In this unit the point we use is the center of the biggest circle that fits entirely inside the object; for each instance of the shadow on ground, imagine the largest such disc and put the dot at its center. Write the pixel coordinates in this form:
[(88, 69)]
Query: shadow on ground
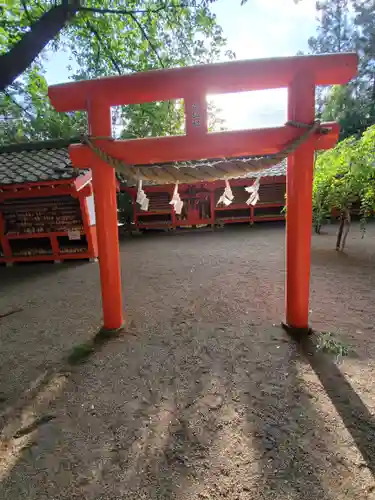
[(31, 271), (357, 418), (198, 412), (202, 399), (44, 311)]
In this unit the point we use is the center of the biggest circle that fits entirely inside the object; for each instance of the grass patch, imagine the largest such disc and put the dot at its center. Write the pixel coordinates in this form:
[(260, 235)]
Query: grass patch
[(326, 342)]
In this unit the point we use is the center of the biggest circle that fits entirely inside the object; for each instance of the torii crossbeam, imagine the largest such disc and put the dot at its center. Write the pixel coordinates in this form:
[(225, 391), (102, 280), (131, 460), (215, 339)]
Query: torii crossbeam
[(299, 74)]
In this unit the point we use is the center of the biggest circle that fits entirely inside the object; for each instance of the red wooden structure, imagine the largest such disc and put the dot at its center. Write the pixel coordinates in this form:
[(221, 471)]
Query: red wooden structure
[(44, 220), (200, 203), (299, 74)]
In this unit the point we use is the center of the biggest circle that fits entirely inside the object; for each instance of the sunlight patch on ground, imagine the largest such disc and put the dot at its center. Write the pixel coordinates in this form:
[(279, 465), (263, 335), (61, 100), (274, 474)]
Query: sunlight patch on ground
[(19, 433)]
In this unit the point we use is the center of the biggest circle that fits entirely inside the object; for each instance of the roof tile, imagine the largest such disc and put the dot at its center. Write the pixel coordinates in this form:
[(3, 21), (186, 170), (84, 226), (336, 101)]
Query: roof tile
[(19, 165), (49, 162)]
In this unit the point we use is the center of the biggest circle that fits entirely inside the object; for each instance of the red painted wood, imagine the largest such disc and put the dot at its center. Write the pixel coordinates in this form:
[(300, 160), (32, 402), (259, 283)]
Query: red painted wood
[(196, 115), (268, 218), (46, 258), (36, 193), (27, 236), (210, 186), (4, 242), (90, 234), (251, 214), (178, 83), (299, 74), (212, 207), (83, 181), (47, 189), (135, 207), (35, 185), (216, 211), (183, 148), (54, 245), (104, 184), (232, 221), (301, 107)]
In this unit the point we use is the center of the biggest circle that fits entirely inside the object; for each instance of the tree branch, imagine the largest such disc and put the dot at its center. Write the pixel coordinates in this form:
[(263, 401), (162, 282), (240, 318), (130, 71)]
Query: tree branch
[(177, 35), (24, 5), (103, 46), (98, 55), (42, 31), (130, 12), (18, 104), (146, 37), (98, 37)]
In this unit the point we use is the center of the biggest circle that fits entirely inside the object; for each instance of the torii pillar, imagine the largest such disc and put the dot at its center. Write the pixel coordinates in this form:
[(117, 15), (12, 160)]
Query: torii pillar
[(105, 197), (299, 181), (299, 74)]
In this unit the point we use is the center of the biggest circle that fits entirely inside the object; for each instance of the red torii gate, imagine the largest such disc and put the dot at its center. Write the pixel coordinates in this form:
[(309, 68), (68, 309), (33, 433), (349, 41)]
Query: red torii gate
[(299, 74)]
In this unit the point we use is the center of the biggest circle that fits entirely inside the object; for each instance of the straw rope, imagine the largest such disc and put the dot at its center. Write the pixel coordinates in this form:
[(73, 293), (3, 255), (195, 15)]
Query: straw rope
[(185, 172)]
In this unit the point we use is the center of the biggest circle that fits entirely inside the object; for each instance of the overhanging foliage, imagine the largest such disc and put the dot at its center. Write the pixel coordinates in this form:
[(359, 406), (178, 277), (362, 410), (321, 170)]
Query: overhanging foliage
[(106, 37), (343, 176)]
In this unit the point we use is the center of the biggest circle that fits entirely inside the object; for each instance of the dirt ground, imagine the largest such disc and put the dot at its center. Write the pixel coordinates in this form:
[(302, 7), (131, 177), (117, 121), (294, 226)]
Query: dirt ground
[(204, 396)]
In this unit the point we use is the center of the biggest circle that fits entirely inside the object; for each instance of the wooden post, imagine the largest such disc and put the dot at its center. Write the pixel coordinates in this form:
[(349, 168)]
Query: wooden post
[(7, 251), (212, 206), (301, 108), (104, 184), (135, 210), (252, 215), (91, 243)]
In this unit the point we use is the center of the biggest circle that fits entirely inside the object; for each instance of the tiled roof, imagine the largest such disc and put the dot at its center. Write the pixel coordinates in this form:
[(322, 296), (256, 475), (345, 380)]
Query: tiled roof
[(49, 160), (36, 162), (276, 171)]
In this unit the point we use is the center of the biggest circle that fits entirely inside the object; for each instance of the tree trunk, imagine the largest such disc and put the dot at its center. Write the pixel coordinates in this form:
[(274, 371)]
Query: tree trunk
[(339, 234), (23, 53), (347, 220)]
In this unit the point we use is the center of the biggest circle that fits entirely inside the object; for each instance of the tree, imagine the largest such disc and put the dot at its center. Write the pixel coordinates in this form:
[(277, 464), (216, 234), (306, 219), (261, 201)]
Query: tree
[(343, 176), (335, 28), (105, 39), (347, 25), (365, 43), (342, 105), (27, 27), (26, 41), (33, 118)]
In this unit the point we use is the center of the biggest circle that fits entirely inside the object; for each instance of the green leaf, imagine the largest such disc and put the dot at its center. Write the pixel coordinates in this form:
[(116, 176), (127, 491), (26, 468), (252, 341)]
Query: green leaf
[(109, 44)]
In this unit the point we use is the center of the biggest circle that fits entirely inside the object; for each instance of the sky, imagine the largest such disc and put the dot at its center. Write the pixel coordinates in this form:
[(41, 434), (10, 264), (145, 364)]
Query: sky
[(260, 28)]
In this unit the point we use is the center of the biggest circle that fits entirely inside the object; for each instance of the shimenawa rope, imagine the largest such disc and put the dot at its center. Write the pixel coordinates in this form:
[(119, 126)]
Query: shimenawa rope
[(203, 171)]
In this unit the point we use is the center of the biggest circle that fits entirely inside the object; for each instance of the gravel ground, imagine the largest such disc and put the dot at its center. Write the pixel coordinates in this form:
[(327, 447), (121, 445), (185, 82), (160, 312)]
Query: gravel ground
[(203, 397)]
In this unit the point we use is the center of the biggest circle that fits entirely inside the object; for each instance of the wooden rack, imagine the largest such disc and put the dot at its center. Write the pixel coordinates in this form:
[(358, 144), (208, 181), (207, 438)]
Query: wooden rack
[(200, 204), (52, 222)]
